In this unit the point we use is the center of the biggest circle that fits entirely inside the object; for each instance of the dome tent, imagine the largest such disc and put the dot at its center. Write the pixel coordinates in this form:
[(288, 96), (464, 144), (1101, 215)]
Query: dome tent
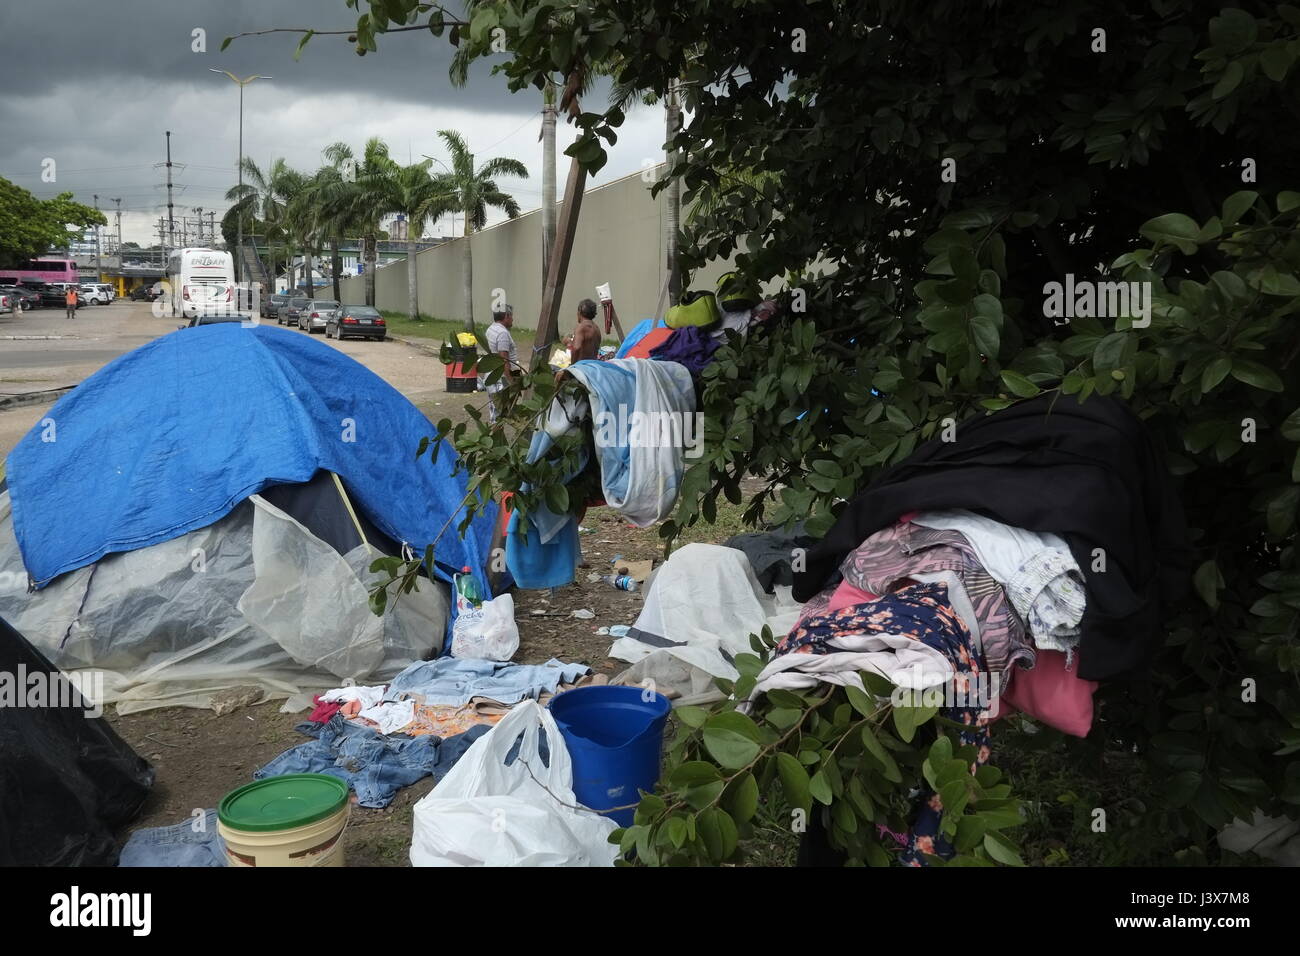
[(202, 512)]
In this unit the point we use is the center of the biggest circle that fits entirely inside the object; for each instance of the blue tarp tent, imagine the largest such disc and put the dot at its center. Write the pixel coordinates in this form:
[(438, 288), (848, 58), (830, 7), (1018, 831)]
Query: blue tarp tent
[(172, 436)]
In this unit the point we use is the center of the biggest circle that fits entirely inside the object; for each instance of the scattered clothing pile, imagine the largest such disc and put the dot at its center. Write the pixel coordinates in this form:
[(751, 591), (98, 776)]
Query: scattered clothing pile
[(380, 739), (1013, 569), (1087, 474)]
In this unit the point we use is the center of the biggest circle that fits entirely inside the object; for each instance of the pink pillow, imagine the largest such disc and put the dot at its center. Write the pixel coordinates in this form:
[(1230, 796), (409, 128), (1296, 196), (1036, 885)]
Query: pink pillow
[(847, 595), (1050, 692)]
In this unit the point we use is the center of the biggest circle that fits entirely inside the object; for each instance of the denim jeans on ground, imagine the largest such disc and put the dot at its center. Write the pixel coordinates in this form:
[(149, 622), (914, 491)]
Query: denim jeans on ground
[(178, 845), (374, 765)]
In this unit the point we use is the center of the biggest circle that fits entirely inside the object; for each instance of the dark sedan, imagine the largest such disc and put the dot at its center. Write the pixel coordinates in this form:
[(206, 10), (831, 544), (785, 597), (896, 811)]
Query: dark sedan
[(271, 305), (360, 321), (27, 298), (54, 295), (288, 313)]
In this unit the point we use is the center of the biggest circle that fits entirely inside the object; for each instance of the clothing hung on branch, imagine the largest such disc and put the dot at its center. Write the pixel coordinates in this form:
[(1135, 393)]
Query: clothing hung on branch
[(1088, 473), (642, 411)]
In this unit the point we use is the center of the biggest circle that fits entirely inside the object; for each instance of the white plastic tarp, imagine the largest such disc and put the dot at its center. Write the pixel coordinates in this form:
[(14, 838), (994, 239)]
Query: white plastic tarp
[(253, 600), (706, 602)]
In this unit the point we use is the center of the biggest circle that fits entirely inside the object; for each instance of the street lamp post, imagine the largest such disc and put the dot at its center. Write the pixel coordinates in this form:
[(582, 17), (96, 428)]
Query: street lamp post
[(239, 220)]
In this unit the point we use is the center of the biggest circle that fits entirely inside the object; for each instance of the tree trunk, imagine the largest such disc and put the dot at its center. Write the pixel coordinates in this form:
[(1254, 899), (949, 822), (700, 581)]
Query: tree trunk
[(548, 178), (467, 277), (336, 266), (372, 254), (673, 200), (307, 262), (411, 278)]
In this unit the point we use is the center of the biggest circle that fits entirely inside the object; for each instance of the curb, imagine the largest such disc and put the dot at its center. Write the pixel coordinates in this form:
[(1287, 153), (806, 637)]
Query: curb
[(417, 345), (47, 397), (36, 338)]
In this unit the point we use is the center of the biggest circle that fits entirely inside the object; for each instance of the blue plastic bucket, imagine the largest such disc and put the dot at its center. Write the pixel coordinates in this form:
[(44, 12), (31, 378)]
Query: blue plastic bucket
[(615, 738)]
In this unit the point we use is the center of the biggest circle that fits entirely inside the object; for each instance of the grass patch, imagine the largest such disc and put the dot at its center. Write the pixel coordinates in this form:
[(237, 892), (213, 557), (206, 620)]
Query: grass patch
[(444, 330)]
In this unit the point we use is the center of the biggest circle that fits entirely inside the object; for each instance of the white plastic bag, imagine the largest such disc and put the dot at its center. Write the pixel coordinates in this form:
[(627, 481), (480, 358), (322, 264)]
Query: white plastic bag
[(485, 813), (487, 632)]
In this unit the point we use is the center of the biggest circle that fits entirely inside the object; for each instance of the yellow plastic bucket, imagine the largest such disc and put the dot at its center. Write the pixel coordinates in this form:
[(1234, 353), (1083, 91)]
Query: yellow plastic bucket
[(296, 819)]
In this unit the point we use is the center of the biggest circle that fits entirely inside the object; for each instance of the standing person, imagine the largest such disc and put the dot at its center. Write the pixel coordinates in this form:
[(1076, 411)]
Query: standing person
[(70, 301), (500, 342)]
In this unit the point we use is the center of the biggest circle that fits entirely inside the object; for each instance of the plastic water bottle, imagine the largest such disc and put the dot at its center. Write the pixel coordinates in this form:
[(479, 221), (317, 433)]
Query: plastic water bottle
[(624, 582), (467, 587)]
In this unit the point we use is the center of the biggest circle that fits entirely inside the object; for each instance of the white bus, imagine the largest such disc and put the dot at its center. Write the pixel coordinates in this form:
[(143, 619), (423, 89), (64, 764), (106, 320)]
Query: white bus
[(202, 282)]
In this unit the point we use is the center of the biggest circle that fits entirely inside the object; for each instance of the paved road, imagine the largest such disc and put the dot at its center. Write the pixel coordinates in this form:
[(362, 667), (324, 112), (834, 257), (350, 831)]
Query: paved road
[(104, 332), (44, 358)]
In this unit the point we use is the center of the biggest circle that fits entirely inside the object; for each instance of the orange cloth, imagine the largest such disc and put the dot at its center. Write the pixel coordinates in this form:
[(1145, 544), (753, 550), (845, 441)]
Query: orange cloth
[(447, 721)]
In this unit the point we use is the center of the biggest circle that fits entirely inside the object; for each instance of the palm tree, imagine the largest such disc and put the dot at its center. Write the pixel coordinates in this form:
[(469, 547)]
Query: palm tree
[(474, 191), (352, 197), (268, 196), (411, 191), (381, 187), (459, 74)]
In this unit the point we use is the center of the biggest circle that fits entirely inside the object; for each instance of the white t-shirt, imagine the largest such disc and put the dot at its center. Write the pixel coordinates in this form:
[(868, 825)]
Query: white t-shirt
[(499, 340)]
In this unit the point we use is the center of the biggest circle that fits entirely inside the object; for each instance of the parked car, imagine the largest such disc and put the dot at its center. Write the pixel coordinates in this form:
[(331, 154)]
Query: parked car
[(271, 304), (27, 298), (146, 293), (288, 314), (108, 289), (95, 294), (313, 316), (10, 304), (52, 294), (360, 321)]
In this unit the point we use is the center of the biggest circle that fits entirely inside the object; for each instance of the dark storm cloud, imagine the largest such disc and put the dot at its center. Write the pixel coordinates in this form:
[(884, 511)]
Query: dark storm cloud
[(94, 43), (91, 86)]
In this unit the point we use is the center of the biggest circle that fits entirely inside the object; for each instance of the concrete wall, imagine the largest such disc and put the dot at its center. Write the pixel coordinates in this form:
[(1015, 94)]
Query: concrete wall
[(620, 240)]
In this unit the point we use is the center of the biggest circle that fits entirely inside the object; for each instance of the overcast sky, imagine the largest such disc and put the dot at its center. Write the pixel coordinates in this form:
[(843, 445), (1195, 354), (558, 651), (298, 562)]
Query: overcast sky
[(93, 85)]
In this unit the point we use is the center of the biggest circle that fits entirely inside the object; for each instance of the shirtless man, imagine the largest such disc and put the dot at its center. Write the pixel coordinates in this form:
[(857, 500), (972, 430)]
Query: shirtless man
[(586, 337)]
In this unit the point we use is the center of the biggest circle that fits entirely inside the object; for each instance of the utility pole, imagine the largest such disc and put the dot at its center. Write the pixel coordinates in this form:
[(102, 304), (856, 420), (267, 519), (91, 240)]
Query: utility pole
[(118, 201), (199, 229), (239, 221), (212, 228), (98, 270), (171, 222)]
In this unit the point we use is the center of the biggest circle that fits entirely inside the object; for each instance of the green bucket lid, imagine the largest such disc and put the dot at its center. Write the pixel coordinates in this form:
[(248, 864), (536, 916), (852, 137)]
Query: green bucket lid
[(282, 803)]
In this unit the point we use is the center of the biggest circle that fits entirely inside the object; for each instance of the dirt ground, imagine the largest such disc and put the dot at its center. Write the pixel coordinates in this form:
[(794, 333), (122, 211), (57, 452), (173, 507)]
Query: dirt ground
[(199, 757)]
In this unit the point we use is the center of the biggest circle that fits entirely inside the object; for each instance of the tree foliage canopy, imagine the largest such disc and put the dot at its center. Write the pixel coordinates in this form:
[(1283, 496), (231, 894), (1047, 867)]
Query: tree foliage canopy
[(915, 176), (30, 227)]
